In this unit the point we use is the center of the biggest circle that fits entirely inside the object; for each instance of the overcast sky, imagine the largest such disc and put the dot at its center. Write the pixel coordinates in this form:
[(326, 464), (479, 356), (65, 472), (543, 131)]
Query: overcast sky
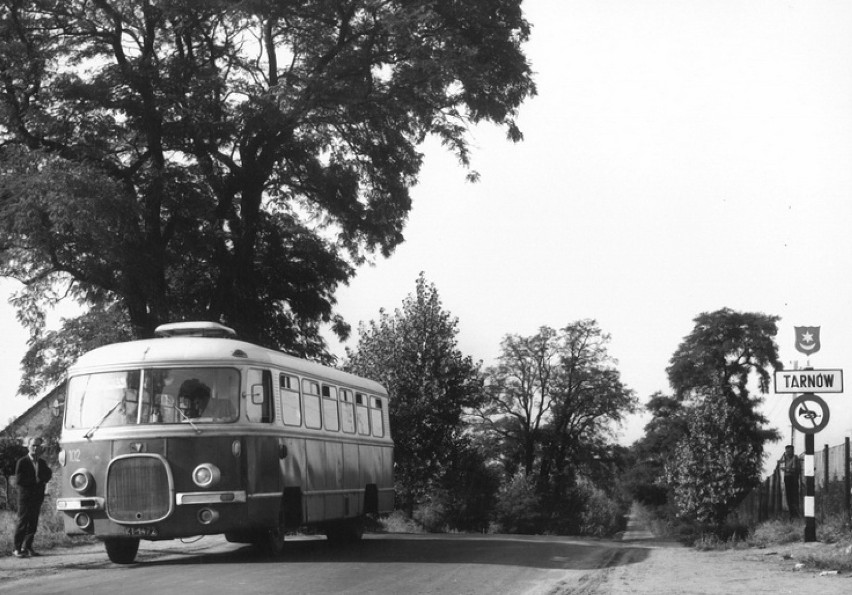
[(682, 156)]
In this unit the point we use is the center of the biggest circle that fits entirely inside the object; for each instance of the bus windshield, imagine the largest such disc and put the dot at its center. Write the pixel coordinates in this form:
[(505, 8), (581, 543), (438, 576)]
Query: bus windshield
[(167, 395)]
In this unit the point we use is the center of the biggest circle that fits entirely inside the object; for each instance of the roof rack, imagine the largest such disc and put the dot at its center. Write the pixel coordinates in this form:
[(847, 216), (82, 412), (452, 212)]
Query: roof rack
[(195, 329)]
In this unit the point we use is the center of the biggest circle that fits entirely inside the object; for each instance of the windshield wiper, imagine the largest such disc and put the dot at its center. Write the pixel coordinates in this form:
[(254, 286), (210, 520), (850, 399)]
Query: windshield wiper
[(95, 427), (186, 417)]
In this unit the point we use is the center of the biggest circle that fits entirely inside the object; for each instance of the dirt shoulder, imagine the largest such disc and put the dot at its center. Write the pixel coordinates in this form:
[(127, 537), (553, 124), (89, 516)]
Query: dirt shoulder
[(671, 568), (89, 555)]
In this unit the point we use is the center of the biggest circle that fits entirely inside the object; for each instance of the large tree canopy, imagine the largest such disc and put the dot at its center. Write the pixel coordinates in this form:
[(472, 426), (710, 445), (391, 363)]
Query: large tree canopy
[(232, 160)]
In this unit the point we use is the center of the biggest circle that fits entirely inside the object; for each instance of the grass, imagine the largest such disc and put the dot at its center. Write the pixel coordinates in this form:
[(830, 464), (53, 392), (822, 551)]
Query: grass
[(831, 551), (50, 534), (397, 522)]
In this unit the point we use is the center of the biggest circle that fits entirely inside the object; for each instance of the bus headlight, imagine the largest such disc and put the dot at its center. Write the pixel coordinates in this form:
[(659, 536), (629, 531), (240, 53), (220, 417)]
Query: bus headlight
[(206, 475), (81, 480)]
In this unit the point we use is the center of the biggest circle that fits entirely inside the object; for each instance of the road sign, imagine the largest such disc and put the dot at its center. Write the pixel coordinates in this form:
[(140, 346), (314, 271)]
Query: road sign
[(807, 339), (808, 413), (798, 381)]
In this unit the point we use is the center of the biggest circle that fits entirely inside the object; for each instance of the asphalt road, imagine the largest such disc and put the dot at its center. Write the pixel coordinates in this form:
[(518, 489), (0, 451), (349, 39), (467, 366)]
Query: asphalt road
[(393, 564)]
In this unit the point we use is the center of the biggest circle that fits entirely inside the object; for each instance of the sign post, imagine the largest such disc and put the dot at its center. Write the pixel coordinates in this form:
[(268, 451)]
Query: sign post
[(809, 413), (810, 517)]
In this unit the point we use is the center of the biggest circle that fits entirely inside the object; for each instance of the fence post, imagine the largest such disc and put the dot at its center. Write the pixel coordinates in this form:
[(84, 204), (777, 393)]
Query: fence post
[(777, 507), (823, 493), (847, 481)]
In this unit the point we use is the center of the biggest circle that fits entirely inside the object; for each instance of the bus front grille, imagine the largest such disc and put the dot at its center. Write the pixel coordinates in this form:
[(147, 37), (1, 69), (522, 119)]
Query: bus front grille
[(139, 489)]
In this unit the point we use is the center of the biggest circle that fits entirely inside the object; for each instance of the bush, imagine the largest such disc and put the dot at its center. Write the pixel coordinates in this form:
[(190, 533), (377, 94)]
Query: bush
[(518, 508), (432, 514), (601, 515), (777, 532), (397, 522)]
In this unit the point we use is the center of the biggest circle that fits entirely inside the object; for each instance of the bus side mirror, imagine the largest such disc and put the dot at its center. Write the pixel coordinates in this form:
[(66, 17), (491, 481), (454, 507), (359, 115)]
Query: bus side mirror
[(257, 394)]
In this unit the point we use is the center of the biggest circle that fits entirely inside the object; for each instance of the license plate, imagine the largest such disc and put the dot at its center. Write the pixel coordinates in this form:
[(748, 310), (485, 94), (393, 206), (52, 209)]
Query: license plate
[(141, 531)]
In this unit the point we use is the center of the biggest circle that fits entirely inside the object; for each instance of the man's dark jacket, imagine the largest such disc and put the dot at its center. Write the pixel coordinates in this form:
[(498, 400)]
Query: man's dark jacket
[(30, 487)]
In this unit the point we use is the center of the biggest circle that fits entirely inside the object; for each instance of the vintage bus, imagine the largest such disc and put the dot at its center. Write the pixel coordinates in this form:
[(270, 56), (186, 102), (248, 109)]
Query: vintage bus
[(197, 433)]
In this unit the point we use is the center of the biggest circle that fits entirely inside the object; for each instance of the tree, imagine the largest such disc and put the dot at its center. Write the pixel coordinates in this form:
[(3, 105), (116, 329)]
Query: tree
[(522, 394), (713, 467), (414, 354), (646, 477), (232, 161), (11, 450), (554, 398), (724, 350), (710, 373), (76, 336)]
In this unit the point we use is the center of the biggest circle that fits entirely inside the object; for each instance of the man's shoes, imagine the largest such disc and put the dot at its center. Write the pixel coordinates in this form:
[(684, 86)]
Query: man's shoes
[(32, 552), (21, 553)]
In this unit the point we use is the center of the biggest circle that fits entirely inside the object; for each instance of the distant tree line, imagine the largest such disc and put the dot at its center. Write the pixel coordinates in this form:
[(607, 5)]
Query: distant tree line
[(526, 445)]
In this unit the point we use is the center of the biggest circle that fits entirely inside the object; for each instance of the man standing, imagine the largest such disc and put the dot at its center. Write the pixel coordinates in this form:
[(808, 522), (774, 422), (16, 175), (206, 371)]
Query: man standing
[(791, 467), (31, 475)]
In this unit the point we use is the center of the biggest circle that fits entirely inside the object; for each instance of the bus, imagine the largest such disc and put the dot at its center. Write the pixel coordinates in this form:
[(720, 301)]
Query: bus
[(195, 432)]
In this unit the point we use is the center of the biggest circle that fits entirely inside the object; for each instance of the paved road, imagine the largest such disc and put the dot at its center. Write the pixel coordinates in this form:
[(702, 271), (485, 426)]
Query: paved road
[(398, 563)]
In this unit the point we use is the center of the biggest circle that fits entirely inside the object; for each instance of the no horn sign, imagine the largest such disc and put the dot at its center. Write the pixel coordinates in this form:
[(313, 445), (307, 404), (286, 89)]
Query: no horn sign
[(809, 381)]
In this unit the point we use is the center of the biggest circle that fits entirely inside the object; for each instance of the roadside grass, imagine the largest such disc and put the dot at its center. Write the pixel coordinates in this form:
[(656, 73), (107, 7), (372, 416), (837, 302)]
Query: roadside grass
[(397, 522), (50, 534), (831, 551)]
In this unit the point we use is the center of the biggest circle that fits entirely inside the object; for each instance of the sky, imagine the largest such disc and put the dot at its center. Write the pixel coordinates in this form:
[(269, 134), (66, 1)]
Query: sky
[(681, 156)]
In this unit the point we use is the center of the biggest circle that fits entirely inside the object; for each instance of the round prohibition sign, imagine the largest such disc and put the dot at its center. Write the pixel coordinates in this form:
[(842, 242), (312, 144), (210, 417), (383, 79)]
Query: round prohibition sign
[(809, 413)]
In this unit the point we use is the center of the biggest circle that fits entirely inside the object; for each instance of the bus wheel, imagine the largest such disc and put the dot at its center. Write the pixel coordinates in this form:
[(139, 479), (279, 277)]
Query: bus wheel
[(121, 550), (271, 542), (343, 532)]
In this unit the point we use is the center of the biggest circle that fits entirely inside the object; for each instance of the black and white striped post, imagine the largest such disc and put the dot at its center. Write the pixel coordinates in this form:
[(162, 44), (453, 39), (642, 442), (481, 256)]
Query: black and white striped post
[(810, 520), (809, 414)]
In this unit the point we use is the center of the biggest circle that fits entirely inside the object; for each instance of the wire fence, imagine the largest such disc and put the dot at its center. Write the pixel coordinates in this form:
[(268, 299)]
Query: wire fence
[(832, 489)]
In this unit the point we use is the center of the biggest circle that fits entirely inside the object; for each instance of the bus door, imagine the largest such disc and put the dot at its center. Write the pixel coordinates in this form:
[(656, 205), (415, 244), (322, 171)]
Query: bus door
[(263, 449)]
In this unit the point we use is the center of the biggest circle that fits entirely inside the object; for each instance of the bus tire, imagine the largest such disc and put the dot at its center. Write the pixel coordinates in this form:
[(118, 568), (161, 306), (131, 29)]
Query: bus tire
[(271, 540), (239, 537), (345, 532), (121, 550), (273, 543)]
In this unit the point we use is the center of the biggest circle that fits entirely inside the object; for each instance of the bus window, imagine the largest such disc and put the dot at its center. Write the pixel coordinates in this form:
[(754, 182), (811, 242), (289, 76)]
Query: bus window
[(259, 401), (311, 396), (347, 411), (168, 395), (376, 417), (362, 414), (329, 408), (291, 406), (108, 399)]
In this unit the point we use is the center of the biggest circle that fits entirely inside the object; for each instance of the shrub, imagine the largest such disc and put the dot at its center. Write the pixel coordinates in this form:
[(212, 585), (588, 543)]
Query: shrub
[(397, 522), (518, 508), (601, 515)]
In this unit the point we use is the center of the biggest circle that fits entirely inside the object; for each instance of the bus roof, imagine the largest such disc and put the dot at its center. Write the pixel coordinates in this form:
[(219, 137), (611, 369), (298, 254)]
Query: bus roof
[(187, 350)]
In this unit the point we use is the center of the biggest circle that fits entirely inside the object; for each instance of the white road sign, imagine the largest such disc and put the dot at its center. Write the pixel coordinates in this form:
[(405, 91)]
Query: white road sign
[(809, 381)]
